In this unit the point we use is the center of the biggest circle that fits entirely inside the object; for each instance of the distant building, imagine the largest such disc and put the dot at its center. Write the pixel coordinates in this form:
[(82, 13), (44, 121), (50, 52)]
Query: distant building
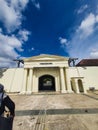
[(44, 73), (88, 62)]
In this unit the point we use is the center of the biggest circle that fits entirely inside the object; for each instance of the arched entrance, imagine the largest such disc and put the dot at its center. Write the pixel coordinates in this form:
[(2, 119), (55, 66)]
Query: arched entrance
[(46, 83), (80, 85)]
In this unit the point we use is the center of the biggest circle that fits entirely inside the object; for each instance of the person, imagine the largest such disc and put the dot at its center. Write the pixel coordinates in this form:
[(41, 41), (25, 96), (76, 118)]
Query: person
[(6, 101)]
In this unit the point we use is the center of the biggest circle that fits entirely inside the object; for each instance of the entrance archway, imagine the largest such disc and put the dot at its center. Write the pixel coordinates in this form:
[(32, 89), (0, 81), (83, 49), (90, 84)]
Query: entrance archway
[(81, 89), (46, 83)]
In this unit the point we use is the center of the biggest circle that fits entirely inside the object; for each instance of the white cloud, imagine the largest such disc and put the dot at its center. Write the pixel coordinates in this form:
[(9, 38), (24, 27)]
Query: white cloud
[(82, 9), (97, 18), (9, 45), (0, 30), (6, 62), (85, 39), (19, 4), (36, 4), (23, 34), (63, 41), (10, 13), (11, 17), (87, 25), (94, 54), (94, 51), (32, 48)]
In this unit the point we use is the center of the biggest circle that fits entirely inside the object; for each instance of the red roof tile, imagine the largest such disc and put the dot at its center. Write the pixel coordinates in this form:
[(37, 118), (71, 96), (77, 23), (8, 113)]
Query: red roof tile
[(88, 62)]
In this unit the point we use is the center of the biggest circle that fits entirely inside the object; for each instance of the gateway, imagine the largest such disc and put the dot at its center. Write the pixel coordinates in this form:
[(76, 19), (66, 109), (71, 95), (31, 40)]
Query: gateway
[(49, 73)]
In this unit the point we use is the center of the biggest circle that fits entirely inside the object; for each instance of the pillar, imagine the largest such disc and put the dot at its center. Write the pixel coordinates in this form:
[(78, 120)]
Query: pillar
[(69, 89), (23, 90), (83, 82), (57, 85), (77, 88), (35, 82), (29, 87), (63, 87)]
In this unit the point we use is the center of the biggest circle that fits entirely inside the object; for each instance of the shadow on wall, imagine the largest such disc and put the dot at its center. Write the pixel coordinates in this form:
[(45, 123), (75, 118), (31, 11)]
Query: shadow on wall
[(2, 70)]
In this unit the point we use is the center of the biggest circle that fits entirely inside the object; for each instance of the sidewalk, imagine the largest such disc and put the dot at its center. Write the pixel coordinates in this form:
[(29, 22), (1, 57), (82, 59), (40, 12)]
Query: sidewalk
[(56, 112)]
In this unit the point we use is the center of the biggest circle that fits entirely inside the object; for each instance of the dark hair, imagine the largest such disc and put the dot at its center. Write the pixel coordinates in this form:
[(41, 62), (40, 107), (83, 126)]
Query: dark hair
[(1, 88)]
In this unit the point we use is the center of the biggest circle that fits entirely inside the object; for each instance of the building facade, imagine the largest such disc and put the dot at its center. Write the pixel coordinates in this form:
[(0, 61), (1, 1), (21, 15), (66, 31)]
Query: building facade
[(49, 73)]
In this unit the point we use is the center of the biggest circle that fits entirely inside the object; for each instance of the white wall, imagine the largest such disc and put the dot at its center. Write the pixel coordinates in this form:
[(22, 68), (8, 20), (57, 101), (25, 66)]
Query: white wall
[(12, 79), (90, 75)]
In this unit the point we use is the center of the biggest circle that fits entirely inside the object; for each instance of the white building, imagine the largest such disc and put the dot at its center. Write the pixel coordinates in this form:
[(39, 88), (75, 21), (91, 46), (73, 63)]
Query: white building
[(49, 73)]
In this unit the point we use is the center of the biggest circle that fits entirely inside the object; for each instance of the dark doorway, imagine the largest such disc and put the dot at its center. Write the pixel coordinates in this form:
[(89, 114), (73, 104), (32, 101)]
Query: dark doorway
[(46, 83)]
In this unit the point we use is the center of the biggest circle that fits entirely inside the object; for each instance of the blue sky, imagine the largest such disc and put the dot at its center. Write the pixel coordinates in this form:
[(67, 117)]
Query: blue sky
[(60, 27)]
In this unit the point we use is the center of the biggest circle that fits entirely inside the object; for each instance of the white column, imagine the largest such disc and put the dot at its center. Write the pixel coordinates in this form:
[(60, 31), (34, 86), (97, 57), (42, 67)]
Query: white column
[(35, 83), (63, 87), (77, 88), (69, 89), (83, 82), (29, 89), (23, 89), (57, 85)]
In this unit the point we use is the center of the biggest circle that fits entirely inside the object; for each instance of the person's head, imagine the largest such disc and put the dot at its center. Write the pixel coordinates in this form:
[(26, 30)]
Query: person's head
[(1, 88)]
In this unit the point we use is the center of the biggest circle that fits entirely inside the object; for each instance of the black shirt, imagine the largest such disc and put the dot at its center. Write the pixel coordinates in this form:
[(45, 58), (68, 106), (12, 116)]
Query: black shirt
[(9, 104)]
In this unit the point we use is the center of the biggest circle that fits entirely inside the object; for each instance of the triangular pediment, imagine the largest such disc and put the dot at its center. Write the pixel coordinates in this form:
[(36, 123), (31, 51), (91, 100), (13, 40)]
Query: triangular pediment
[(45, 57)]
